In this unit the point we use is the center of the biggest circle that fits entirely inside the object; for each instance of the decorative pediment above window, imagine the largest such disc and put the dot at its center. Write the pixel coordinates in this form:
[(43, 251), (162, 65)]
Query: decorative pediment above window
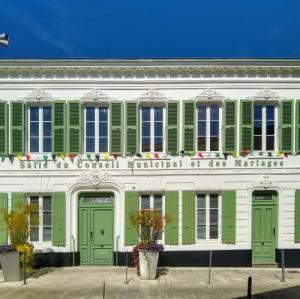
[(38, 96), (266, 95), (209, 95), (96, 96), (152, 96)]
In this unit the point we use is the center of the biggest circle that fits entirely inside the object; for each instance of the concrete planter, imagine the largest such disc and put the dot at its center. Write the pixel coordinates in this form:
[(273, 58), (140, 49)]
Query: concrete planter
[(148, 264), (10, 263)]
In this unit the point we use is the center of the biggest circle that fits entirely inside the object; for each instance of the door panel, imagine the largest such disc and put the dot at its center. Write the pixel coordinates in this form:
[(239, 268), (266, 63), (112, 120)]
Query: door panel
[(84, 235)]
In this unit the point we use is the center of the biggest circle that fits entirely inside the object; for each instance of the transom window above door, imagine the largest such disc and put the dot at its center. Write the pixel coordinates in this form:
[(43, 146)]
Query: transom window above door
[(40, 129), (96, 129), (208, 128), (152, 129)]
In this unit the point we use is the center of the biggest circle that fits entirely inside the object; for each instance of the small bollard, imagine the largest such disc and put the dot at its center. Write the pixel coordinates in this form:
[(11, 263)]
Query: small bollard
[(249, 291), (103, 292), (24, 267), (210, 261), (126, 279), (282, 266)]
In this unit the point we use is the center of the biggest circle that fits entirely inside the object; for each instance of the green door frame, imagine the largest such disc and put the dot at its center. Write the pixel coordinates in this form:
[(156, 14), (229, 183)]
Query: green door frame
[(264, 226), (88, 209)]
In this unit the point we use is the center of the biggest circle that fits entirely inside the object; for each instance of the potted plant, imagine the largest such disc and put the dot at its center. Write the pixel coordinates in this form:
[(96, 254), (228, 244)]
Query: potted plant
[(18, 230), (149, 225)]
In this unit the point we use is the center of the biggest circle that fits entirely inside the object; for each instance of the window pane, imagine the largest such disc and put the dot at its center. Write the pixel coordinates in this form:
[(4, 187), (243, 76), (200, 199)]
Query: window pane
[(201, 216), (146, 144), (213, 201), (90, 113), (201, 202), (158, 146), (270, 127), (47, 234), (257, 112), (257, 128), (270, 143), (47, 203), (214, 128), (47, 113), (47, 218), (34, 145), (213, 217), (145, 202), (34, 200), (157, 202), (34, 129), (201, 232), (103, 144), (214, 113), (213, 234), (158, 114), (270, 112), (201, 143), (90, 129), (158, 130), (146, 130), (90, 144), (201, 113), (47, 129), (214, 143), (103, 130), (34, 234), (47, 146), (201, 128), (34, 113), (145, 114), (257, 143), (103, 113)]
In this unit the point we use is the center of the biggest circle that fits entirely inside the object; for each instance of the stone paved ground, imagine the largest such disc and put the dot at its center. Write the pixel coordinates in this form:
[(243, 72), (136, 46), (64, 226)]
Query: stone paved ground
[(87, 282)]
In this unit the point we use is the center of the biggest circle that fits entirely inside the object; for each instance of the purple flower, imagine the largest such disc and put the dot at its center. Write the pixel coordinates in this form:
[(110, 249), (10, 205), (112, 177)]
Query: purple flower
[(155, 247), (6, 248)]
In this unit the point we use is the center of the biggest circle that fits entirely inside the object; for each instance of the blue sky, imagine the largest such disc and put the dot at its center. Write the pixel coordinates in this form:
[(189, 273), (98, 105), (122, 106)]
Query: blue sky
[(151, 28)]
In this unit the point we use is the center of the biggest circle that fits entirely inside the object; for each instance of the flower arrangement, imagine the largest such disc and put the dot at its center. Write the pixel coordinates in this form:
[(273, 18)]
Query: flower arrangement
[(27, 249)]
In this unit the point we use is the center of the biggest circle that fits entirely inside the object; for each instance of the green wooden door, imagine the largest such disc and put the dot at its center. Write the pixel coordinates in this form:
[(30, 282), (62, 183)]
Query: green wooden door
[(96, 227), (264, 211)]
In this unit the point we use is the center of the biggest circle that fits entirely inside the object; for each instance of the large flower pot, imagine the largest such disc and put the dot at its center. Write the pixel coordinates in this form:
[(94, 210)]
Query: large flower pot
[(10, 264), (148, 264)]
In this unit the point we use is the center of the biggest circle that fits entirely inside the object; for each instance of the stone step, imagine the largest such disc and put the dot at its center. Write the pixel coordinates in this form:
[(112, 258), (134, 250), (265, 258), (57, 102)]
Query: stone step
[(265, 265)]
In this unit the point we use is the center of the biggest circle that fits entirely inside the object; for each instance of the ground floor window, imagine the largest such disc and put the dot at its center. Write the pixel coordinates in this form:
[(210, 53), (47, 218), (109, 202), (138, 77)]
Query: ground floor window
[(43, 231), (208, 216)]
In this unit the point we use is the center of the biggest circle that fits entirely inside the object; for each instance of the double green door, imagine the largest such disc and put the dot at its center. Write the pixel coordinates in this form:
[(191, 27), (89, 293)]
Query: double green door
[(264, 215), (95, 231)]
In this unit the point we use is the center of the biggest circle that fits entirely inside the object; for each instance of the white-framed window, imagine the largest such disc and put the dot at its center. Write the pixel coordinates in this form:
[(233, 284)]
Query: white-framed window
[(209, 128), (40, 129), (152, 128), (43, 231), (96, 125), (152, 201), (265, 124), (208, 216)]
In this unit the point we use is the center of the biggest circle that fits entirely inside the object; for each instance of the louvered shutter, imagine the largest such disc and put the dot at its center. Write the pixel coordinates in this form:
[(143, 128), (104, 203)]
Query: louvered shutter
[(189, 126), (188, 217), (297, 216), (17, 200), (246, 125), (131, 128), (173, 121), (17, 143), (3, 128), (230, 126), (74, 127), (3, 208), (131, 206), (171, 211), (286, 125), (58, 219), (116, 125), (58, 127), (297, 126), (228, 216)]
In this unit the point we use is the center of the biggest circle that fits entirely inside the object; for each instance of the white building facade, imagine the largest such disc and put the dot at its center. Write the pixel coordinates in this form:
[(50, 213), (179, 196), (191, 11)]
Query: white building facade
[(212, 143)]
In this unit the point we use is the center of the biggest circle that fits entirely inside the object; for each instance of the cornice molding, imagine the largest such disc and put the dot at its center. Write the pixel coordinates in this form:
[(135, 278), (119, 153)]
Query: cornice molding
[(209, 95), (266, 95), (38, 96), (152, 96), (95, 96)]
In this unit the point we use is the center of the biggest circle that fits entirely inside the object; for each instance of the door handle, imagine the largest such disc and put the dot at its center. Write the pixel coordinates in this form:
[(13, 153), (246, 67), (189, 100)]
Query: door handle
[(91, 235), (274, 231), (262, 243), (102, 232)]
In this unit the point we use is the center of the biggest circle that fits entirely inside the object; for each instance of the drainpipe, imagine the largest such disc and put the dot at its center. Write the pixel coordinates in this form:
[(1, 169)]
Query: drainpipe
[(73, 249), (117, 249)]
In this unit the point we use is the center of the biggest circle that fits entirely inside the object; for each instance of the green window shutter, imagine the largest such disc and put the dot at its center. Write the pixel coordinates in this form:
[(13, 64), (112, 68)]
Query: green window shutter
[(189, 126), (171, 210), (17, 144), (17, 200), (131, 128), (246, 125), (297, 216), (230, 126), (188, 217), (173, 121), (131, 206), (3, 128), (74, 127), (58, 127), (116, 127), (3, 207), (228, 216), (286, 125), (58, 219), (297, 125)]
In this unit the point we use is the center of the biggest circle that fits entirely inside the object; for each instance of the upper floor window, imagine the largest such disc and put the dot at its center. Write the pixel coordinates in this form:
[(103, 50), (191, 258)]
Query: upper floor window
[(264, 127), (208, 131), (40, 129), (152, 133), (96, 129)]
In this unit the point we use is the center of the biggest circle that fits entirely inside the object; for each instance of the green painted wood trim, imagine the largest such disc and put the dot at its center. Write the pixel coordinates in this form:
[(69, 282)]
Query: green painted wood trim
[(116, 130), (297, 127), (230, 126), (58, 219), (246, 125), (172, 128), (189, 117), (59, 130), (17, 200), (131, 206), (228, 216), (297, 216), (4, 128), (286, 128), (171, 210), (188, 217), (131, 128), (74, 134), (17, 136), (3, 209)]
